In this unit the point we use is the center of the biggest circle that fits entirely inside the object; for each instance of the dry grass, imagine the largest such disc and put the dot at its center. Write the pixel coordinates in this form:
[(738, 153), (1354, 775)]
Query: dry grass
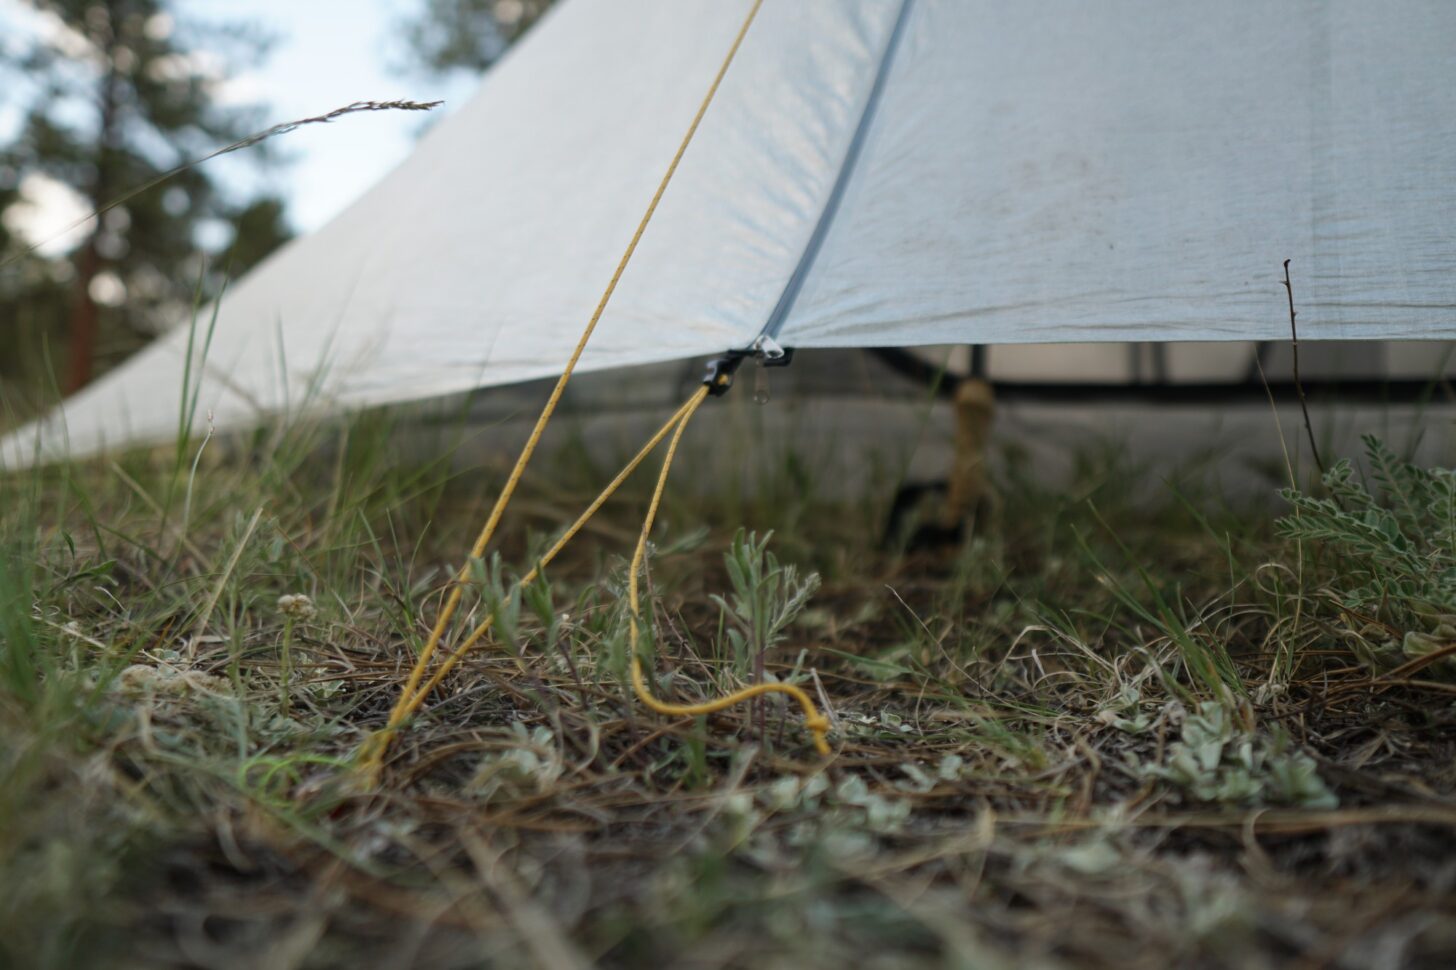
[(1120, 726)]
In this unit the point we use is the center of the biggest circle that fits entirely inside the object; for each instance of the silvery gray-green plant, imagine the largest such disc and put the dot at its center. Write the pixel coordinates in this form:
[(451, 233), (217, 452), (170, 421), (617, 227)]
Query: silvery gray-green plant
[(500, 597), (1392, 548), (1216, 761), (767, 595)]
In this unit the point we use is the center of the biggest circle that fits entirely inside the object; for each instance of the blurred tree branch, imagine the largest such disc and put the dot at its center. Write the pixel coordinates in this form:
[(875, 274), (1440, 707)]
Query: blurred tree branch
[(468, 35)]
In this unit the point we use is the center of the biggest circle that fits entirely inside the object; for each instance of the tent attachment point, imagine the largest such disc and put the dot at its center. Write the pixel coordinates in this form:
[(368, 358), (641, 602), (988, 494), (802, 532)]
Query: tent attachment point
[(765, 350)]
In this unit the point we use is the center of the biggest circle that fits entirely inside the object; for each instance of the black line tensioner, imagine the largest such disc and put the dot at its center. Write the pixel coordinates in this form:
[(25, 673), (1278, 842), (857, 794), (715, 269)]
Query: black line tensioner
[(765, 350)]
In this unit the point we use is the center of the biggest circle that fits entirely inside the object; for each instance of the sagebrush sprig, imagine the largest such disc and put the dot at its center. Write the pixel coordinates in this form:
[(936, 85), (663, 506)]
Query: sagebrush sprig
[(1393, 549), (767, 596)]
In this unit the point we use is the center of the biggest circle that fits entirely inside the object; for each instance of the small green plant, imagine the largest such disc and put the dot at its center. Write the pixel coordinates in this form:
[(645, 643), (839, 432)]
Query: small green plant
[(296, 608), (1391, 551), (767, 596), (528, 763), (1215, 761), (500, 597)]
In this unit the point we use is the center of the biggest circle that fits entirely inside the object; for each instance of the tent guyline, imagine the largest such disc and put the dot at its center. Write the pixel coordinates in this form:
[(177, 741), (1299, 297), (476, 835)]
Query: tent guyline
[(412, 696), (715, 384), (816, 723)]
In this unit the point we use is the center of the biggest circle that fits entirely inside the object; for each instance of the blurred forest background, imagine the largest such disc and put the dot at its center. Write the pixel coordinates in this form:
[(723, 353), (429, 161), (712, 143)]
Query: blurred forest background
[(115, 94)]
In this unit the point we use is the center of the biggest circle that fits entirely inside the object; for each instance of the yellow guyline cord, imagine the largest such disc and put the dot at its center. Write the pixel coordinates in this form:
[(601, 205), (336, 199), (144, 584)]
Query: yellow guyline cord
[(678, 422), (817, 724), (374, 749), (480, 631)]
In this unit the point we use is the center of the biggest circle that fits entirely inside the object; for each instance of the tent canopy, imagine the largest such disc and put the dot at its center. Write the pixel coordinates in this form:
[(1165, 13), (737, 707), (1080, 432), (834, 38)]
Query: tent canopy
[(872, 173)]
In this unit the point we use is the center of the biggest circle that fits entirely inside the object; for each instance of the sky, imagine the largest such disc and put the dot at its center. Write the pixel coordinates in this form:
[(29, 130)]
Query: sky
[(327, 53)]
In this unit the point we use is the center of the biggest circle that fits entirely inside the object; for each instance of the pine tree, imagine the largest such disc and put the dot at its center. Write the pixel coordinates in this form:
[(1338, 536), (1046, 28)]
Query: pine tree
[(116, 93)]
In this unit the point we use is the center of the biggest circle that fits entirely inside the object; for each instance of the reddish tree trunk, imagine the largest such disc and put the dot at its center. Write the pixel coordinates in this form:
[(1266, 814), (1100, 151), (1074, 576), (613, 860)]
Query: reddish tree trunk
[(84, 312), (83, 320)]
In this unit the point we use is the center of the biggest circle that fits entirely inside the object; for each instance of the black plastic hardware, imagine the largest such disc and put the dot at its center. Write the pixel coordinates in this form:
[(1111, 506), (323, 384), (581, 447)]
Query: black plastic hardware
[(765, 351)]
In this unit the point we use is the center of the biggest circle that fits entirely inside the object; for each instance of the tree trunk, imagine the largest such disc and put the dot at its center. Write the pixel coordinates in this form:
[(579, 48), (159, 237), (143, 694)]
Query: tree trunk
[(83, 319), (85, 315)]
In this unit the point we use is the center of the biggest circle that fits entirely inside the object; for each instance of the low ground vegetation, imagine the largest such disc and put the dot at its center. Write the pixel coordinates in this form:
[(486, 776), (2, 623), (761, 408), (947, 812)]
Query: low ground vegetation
[(1122, 724)]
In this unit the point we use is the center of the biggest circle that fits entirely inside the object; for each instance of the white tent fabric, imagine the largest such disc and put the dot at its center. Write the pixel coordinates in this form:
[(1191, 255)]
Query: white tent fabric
[(1059, 171), (872, 172)]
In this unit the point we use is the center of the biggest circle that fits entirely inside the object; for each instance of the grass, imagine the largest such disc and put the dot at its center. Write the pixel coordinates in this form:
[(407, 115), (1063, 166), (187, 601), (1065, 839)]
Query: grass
[(1121, 725)]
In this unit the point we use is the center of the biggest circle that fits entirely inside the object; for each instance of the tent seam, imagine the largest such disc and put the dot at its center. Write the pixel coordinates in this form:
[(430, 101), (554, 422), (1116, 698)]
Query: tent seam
[(791, 291)]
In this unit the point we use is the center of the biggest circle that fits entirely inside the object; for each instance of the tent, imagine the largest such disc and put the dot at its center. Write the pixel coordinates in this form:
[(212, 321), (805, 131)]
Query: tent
[(875, 173)]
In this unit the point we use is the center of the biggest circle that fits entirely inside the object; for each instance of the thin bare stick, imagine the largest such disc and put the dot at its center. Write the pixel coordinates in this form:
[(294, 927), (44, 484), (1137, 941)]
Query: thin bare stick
[(1298, 386)]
